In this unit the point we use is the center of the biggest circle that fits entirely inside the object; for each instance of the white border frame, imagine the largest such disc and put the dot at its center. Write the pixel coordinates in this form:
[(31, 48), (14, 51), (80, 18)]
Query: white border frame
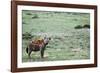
[(52, 63)]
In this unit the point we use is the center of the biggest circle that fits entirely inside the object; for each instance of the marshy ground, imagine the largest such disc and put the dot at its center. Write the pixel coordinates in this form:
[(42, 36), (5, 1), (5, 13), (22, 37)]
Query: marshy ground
[(67, 43)]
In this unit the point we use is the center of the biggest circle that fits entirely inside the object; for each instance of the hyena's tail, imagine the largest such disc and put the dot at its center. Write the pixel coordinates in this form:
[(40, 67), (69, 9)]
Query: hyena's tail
[(27, 50)]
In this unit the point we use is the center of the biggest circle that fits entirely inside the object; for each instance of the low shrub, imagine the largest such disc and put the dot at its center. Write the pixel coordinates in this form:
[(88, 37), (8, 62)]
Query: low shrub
[(35, 16), (78, 27), (28, 13), (86, 26), (27, 35)]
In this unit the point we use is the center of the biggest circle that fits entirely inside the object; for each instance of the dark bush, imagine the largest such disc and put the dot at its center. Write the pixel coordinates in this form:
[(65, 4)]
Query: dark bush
[(78, 27), (56, 12), (26, 35), (23, 22), (74, 13), (86, 26), (35, 16), (69, 13), (28, 14)]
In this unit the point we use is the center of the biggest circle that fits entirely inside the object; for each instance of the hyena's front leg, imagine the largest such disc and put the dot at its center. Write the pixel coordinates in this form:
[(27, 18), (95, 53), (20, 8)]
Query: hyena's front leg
[(42, 52)]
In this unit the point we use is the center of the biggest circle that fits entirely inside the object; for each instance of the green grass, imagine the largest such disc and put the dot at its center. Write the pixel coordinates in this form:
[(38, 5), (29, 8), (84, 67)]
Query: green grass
[(64, 38)]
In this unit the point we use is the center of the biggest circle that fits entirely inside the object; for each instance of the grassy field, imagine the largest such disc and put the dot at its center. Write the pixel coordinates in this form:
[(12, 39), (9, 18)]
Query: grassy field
[(67, 43)]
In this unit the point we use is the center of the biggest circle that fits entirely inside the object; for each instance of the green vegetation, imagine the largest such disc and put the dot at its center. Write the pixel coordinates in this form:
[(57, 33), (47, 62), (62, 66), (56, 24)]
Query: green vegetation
[(67, 43)]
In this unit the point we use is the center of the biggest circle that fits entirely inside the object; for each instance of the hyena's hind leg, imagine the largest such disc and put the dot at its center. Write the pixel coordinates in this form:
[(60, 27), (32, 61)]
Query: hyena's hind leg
[(28, 50), (29, 54)]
